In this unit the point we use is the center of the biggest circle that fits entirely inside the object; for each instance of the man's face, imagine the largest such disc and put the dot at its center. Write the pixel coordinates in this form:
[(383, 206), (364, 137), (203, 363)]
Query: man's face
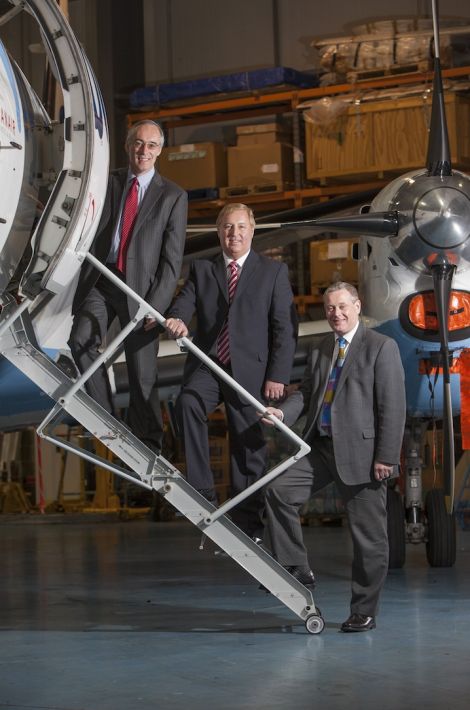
[(342, 311), (235, 234), (144, 149)]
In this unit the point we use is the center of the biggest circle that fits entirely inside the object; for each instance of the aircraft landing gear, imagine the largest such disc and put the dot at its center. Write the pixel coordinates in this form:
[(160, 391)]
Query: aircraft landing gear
[(414, 523), (395, 529), (441, 531)]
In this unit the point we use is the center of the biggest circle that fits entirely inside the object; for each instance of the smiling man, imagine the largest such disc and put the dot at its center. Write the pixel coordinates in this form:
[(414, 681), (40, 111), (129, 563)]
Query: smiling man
[(353, 396), (246, 322), (141, 238)]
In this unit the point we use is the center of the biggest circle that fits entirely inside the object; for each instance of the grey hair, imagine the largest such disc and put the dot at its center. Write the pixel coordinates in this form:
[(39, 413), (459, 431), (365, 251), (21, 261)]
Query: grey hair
[(146, 122), (339, 286)]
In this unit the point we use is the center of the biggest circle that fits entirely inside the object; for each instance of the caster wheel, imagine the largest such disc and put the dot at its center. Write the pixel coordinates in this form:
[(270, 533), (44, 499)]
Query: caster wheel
[(314, 624)]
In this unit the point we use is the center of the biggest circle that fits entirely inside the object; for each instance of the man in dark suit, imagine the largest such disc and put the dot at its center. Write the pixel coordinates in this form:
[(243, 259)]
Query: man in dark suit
[(249, 328), (353, 395), (152, 211)]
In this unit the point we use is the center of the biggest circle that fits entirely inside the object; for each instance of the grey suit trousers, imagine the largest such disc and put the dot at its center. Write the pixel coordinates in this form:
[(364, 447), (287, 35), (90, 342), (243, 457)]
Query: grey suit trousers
[(90, 325), (367, 516)]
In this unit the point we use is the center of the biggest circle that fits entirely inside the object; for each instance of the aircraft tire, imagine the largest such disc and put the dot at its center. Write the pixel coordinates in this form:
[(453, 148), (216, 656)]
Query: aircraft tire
[(441, 539), (395, 530)]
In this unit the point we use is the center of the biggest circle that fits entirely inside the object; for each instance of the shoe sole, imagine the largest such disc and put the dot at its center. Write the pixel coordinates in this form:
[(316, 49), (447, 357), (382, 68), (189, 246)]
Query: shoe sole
[(349, 629)]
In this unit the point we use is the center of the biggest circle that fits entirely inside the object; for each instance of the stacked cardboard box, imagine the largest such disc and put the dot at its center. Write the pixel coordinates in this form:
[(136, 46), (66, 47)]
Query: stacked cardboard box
[(261, 157), (195, 165)]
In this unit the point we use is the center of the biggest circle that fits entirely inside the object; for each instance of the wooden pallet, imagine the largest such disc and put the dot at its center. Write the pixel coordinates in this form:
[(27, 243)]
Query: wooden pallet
[(243, 190), (358, 75)]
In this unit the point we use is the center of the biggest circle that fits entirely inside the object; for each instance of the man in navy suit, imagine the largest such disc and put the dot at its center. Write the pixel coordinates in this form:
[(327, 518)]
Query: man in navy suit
[(261, 329), (357, 446), (150, 265)]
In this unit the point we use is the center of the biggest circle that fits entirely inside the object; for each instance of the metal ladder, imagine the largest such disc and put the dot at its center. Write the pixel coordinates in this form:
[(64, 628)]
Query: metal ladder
[(151, 471)]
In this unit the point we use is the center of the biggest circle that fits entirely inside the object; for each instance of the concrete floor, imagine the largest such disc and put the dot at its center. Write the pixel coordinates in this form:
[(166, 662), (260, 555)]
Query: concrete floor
[(131, 615)]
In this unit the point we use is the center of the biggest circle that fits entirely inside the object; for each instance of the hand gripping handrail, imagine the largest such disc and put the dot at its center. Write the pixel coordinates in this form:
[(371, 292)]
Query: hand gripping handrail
[(303, 448)]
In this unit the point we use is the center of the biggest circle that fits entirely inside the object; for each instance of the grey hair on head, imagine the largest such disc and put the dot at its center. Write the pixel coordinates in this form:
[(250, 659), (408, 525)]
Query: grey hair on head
[(146, 122), (339, 286)]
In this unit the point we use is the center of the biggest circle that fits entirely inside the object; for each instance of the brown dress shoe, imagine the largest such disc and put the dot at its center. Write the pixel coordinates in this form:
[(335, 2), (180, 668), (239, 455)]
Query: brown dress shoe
[(358, 622)]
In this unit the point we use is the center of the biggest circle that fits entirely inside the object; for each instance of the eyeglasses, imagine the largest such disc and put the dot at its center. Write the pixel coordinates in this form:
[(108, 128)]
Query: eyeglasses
[(149, 145)]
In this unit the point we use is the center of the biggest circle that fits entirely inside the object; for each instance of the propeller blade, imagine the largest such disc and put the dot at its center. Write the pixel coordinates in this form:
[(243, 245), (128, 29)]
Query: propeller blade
[(206, 241), (378, 224), (442, 274), (438, 160)]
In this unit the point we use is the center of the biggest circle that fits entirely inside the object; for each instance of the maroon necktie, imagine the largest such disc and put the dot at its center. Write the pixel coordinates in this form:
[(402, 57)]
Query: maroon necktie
[(129, 214), (223, 349)]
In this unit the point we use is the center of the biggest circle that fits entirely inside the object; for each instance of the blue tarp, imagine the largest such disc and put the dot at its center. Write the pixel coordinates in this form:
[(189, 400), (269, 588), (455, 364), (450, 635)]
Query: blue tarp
[(225, 83)]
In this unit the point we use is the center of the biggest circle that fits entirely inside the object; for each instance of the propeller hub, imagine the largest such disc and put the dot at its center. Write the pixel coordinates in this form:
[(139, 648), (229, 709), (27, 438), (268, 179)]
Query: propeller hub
[(434, 218), (442, 217)]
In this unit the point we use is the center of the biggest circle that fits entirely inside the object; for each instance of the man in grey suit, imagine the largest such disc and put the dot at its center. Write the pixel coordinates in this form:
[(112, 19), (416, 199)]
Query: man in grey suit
[(356, 440), (149, 261), (260, 329)]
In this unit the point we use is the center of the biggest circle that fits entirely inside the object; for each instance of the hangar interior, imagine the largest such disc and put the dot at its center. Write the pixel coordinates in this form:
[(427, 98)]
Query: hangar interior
[(108, 599)]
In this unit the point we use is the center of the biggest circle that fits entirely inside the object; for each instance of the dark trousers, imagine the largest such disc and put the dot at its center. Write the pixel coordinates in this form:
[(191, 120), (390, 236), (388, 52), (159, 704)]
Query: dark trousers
[(90, 325), (199, 397), (367, 516)]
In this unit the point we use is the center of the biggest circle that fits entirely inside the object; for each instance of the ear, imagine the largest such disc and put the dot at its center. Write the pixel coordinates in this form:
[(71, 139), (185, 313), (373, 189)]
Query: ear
[(358, 306)]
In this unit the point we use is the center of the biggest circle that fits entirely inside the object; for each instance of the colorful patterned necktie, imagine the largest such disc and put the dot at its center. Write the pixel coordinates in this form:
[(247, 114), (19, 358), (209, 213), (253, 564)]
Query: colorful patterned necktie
[(129, 214), (325, 414), (223, 349)]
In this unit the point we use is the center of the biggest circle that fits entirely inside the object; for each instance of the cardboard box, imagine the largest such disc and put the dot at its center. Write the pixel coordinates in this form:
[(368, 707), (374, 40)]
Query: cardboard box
[(257, 133), (332, 260), (195, 165), (260, 164), (259, 138), (383, 137), (256, 128)]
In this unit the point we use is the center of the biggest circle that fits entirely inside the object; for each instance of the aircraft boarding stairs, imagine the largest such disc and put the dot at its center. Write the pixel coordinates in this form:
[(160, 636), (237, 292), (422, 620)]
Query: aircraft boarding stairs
[(18, 344)]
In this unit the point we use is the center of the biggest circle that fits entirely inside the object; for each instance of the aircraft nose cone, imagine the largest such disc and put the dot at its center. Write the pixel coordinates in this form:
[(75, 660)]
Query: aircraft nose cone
[(442, 217)]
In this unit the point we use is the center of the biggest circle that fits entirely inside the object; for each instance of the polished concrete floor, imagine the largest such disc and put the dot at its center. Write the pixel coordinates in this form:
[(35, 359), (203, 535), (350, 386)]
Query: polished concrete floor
[(131, 615)]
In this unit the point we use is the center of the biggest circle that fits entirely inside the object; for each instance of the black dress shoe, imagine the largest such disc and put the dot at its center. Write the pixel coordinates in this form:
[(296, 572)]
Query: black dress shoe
[(304, 575), (358, 622)]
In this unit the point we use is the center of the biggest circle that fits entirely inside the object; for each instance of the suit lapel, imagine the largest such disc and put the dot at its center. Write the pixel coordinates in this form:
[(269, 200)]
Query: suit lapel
[(351, 354), (249, 268), (121, 177), (220, 273), (151, 198), (323, 363)]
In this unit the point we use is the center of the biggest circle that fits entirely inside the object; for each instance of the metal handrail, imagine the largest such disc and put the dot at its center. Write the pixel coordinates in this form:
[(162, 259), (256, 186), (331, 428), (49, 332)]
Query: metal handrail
[(303, 447)]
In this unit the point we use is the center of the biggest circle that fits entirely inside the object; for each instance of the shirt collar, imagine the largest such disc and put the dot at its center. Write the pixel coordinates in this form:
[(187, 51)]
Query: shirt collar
[(144, 179), (228, 260), (349, 336)]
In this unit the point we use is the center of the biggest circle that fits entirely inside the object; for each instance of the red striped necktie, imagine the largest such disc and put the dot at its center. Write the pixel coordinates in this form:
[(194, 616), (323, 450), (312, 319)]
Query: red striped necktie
[(129, 214), (223, 346)]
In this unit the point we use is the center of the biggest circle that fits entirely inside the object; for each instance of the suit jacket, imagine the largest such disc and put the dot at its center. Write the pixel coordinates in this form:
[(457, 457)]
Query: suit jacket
[(155, 253), (368, 410), (262, 323)]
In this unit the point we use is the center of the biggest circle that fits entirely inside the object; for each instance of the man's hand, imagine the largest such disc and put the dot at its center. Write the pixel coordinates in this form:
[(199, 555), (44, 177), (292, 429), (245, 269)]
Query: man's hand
[(273, 390), (278, 413), (382, 471), (176, 328)]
